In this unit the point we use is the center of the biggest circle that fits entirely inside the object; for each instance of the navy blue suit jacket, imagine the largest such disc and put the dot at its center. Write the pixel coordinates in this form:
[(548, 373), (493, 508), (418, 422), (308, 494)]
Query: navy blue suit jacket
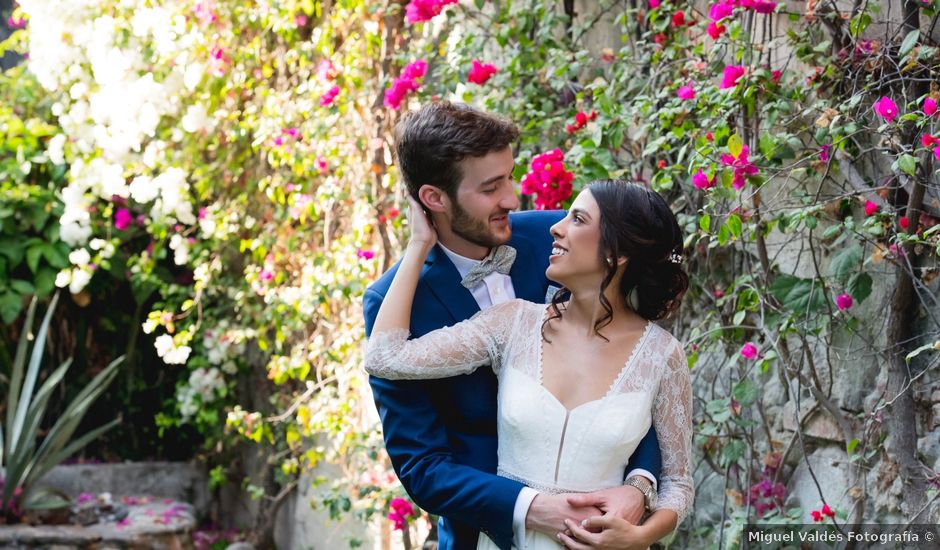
[(441, 434)]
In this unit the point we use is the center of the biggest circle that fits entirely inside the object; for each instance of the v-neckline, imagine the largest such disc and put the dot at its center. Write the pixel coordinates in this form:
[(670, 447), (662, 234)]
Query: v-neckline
[(538, 373)]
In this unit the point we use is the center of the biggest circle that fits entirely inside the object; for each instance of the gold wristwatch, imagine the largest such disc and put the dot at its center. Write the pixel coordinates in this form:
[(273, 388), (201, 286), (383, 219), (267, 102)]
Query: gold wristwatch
[(645, 487)]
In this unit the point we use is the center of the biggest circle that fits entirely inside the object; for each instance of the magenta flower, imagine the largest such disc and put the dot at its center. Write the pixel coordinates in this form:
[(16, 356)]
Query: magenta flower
[(655, 4), (742, 166), (300, 20), (870, 208), (480, 72), (721, 10), (843, 301), (760, 6), (327, 99), (732, 74), (930, 106), (14, 23), (419, 11), (686, 93), (405, 83), (702, 181), (715, 30), (886, 108), (401, 511), (749, 351), (365, 254), (936, 152), (123, 219), (824, 153), (205, 12)]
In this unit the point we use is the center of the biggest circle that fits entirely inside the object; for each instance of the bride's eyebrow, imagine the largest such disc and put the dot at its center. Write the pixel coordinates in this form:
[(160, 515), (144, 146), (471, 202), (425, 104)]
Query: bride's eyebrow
[(579, 212)]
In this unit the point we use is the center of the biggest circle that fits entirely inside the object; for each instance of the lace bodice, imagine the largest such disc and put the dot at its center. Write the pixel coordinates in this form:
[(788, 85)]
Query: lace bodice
[(541, 443)]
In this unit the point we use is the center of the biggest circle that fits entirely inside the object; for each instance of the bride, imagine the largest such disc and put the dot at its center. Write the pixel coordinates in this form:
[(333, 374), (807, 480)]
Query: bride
[(582, 378)]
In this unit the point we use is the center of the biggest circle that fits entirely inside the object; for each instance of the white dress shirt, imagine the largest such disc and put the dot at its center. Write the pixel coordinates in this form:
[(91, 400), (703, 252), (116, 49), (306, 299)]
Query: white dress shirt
[(495, 289)]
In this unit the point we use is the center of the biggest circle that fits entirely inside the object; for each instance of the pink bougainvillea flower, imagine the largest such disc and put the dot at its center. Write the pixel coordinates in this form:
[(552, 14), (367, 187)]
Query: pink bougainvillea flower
[(715, 30), (406, 83), (401, 510), (123, 219), (827, 511), (322, 165), (721, 10), (365, 254), (904, 223), (730, 76), (701, 181), (936, 151), (548, 180), (843, 301), (328, 98), (480, 72), (393, 213), (15, 23), (763, 6), (886, 108), (824, 152), (686, 93), (678, 19), (204, 11), (709, 136), (655, 4), (817, 516), (870, 208), (927, 140), (418, 11), (930, 106), (749, 351), (742, 166), (775, 76), (218, 61)]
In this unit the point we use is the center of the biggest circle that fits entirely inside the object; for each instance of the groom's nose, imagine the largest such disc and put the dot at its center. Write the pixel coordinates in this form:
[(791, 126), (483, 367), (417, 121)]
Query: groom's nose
[(509, 200)]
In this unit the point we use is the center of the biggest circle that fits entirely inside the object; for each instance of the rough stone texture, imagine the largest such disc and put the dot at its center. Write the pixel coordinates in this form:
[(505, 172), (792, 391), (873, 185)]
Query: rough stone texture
[(156, 524), (180, 481)]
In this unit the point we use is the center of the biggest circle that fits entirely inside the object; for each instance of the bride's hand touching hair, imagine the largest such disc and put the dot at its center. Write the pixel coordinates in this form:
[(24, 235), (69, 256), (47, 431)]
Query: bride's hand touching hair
[(423, 234)]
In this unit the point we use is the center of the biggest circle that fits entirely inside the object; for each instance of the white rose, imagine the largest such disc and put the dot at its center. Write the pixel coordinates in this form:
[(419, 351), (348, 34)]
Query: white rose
[(80, 279), (79, 257)]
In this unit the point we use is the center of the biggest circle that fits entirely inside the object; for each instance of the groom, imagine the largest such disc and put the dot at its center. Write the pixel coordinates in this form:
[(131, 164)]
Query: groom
[(441, 434)]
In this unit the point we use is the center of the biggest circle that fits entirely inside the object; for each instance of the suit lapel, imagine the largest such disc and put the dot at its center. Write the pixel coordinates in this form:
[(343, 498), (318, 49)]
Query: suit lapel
[(526, 283), (443, 280)]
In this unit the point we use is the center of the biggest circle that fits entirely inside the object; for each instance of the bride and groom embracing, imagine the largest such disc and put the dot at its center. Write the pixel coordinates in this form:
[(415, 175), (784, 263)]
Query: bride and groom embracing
[(580, 418)]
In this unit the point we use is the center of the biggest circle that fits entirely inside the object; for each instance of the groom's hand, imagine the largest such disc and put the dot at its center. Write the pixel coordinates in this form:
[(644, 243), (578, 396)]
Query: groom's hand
[(547, 513), (625, 502)]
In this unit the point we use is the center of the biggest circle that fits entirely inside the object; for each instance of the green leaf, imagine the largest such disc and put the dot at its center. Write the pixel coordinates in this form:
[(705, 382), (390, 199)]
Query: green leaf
[(909, 42), (734, 225), (735, 145), (850, 446), (739, 317), (745, 392), (705, 223), (719, 409), (732, 452), (33, 254), (11, 304), (845, 262), (798, 295), (859, 286), (908, 164)]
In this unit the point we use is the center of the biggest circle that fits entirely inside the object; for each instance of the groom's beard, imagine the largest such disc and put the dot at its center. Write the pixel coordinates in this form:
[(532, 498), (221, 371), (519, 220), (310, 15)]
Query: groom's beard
[(473, 230)]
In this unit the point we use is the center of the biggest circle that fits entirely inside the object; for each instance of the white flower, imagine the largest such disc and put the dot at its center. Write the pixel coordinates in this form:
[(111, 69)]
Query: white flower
[(143, 189), (177, 356), (97, 244), (80, 279), (149, 326), (193, 75), (63, 278), (56, 149), (74, 234), (180, 247), (164, 343), (196, 118), (79, 257)]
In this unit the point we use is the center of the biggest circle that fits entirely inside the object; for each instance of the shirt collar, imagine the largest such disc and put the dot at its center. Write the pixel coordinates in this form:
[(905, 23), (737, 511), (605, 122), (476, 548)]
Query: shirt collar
[(462, 263)]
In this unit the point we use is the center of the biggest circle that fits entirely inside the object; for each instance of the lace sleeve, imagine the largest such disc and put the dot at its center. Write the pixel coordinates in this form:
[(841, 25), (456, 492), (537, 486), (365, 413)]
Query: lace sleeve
[(449, 351), (672, 417)]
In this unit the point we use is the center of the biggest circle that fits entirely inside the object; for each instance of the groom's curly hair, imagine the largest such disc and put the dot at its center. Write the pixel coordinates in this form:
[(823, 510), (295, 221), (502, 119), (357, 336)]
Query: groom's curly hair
[(431, 141)]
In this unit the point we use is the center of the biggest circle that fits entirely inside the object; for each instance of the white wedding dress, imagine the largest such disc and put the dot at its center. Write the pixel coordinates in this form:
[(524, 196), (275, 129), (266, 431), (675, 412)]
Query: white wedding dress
[(541, 443)]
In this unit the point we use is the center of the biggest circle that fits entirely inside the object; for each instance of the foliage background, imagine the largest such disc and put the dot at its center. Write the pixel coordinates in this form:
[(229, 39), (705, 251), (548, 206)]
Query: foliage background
[(213, 182)]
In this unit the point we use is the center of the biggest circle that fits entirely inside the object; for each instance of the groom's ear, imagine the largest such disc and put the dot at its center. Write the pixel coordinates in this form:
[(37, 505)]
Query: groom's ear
[(433, 199)]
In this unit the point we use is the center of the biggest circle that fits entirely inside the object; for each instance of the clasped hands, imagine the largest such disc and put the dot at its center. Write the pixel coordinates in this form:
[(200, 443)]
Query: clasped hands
[(603, 520)]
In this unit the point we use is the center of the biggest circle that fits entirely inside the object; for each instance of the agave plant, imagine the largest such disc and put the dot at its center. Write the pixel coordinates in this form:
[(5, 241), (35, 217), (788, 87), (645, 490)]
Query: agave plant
[(24, 459)]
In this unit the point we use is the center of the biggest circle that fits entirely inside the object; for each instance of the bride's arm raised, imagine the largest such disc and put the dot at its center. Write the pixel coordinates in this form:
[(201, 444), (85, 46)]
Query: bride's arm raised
[(449, 351)]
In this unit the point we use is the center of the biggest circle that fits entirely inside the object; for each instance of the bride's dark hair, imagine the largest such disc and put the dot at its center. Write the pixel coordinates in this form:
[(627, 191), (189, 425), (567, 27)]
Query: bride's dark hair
[(636, 223)]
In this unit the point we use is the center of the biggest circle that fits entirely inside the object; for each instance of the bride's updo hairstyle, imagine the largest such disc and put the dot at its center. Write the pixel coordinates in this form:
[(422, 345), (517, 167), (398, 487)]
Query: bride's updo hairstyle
[(636, 223)]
